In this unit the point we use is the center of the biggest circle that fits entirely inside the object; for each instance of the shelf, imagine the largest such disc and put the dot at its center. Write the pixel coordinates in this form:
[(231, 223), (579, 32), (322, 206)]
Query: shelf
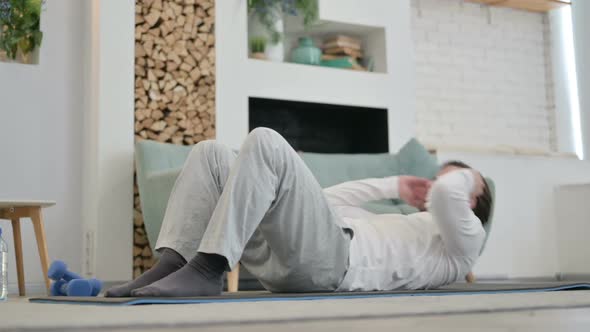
[(541, 6), (372, 38), (291, 81), (319, 70)]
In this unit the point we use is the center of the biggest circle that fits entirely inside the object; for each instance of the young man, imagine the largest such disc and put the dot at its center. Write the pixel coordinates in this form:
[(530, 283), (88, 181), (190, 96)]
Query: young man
[(264, 208)]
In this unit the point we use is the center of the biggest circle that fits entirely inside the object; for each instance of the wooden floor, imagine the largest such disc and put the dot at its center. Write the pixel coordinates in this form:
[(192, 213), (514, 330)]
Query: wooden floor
[(536, 320), (555, 311)]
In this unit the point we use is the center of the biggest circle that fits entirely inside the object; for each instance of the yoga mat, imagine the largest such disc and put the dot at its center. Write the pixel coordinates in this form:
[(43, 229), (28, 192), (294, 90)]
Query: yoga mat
[(249, 296)]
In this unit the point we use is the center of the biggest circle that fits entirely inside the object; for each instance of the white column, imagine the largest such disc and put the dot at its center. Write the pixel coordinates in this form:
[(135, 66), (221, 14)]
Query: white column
[(108, 146), (565, 89), (581, 13)]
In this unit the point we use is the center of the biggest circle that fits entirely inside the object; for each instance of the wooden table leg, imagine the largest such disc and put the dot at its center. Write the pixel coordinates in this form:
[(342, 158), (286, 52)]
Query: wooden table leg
[(37, 219), (233, 278), (18, 252)]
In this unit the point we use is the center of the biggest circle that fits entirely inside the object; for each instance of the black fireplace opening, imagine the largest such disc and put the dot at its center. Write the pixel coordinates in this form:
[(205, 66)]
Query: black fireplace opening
[(323, 128)]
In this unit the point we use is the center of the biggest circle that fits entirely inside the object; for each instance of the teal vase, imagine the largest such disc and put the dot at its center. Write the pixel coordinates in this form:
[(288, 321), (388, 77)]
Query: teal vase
[(306, 53)]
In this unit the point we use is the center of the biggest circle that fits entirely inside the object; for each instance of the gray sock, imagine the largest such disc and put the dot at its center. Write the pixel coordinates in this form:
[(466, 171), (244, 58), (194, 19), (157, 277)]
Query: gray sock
[(202, 276), (169, 262)]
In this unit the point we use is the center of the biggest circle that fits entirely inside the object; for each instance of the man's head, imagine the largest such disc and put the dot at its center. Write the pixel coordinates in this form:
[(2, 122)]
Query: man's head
[(481, 203)]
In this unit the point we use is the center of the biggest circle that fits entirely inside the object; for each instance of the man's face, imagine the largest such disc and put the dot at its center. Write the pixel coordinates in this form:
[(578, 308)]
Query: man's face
[(450, 168), (446, 170)]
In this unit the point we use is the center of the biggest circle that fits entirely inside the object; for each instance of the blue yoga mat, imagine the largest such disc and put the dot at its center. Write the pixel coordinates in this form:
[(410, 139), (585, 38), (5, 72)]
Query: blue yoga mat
[(454, 289)]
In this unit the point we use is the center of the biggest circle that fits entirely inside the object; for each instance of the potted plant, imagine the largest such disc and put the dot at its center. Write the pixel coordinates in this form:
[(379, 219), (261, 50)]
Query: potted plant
[(257, 47), (20, 35), (266, 18)]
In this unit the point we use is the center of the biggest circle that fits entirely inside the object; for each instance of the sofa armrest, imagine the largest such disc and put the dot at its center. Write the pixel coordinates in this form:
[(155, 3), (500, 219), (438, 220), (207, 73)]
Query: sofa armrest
[(154, 191)]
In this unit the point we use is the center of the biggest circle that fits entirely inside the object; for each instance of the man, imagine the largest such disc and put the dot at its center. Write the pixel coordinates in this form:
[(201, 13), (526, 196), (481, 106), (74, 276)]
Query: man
[(264, 208)]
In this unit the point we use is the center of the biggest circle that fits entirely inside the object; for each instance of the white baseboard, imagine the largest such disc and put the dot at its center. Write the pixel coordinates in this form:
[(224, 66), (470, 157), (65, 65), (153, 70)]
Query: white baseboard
[(31, 289)]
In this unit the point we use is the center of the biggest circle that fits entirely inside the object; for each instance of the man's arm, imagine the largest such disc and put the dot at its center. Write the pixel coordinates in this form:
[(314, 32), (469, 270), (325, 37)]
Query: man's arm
[(355, 193), (449, 203), (411, 189)]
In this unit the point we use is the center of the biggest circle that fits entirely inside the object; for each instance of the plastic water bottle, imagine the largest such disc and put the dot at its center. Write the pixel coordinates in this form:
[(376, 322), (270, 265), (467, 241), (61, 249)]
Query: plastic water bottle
[(3, 267)]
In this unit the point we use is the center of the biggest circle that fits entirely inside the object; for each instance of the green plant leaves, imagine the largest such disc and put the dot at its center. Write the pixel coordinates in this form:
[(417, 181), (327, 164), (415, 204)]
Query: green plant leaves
[(19, 26), (269, 12), (258, 44)]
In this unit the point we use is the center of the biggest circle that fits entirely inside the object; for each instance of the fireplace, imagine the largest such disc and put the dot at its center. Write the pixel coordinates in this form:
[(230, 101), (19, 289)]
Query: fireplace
[(323, 128)]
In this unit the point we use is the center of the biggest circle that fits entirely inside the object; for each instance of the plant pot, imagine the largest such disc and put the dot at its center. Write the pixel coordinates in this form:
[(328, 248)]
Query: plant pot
[(306, 53), (274, 52), (259, 56), (31, 58)]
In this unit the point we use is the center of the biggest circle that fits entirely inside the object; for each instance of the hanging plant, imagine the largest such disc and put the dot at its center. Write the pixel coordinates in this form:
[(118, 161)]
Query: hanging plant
[(270, 11), (19, 26)]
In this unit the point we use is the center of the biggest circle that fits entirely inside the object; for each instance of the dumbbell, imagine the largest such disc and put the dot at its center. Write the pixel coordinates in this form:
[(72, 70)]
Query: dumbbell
[(58, 271), (76, 287)]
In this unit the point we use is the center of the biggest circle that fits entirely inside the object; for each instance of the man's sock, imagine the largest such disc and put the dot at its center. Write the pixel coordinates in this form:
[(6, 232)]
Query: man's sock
[(202, 276), (169, 262)]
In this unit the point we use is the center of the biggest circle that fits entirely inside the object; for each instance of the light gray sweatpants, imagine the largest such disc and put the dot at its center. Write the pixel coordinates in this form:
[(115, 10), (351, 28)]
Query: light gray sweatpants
[(262, 207)]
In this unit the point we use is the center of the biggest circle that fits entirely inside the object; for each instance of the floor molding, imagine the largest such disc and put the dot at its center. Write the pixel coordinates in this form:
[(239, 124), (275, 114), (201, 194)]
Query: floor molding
[(30, 288), (367, 317)]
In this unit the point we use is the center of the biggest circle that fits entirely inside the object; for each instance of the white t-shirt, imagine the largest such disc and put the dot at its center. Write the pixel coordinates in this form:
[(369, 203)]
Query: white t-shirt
[(417, 251)]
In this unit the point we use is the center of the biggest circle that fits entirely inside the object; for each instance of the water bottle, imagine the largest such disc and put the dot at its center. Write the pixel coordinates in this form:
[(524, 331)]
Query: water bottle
[(3, 267)]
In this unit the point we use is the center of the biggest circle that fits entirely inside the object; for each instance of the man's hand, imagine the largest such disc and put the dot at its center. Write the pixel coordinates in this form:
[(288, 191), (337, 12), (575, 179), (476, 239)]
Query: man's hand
[(413, 190)]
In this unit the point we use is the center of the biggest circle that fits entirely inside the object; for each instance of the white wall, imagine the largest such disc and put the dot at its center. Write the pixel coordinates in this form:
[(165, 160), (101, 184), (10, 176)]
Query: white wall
[(523, 241), (491, 78), (573, 214), (581, 13), (482, 79), (239, 77), (563, 73), (66, 134), (108, 141), (41, 109)]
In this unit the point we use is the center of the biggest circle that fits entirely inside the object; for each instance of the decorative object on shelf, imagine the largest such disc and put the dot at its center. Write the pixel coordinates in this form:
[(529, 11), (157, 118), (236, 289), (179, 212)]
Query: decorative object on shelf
[(343, 45), (257, 48), (20, 34), (306, 53), (274, 51), (343, 62), (266, 18), (342, 52), (369, 63)]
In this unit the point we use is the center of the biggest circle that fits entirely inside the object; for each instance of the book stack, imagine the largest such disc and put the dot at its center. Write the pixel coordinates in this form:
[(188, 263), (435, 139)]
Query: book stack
[(342, 52)]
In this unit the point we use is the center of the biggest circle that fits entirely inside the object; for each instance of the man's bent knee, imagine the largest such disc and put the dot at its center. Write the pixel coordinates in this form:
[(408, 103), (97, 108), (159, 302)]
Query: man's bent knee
[(263, 134), (205, 149)]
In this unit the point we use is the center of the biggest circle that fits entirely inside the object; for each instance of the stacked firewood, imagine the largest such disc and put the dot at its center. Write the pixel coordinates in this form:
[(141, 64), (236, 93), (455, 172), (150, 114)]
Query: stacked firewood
[(174, 83)]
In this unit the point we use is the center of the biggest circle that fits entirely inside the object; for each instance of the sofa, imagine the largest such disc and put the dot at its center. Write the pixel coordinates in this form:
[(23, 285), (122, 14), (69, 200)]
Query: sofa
[(158, 165)]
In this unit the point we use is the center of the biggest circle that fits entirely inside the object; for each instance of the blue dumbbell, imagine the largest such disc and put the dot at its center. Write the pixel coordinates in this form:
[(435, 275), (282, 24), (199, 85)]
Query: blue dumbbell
[(58, 271), (76, 287), (96, 286)]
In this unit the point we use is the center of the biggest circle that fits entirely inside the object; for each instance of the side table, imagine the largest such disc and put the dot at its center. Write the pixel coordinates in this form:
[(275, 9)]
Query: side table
[(14, 211)]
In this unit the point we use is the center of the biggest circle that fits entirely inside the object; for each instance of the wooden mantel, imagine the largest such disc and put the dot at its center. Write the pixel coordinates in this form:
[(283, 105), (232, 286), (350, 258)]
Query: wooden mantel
[(530, 5)]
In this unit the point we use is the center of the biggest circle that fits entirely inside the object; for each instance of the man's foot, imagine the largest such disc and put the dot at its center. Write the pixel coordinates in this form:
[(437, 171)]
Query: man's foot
[(202, 276), (169, 262)]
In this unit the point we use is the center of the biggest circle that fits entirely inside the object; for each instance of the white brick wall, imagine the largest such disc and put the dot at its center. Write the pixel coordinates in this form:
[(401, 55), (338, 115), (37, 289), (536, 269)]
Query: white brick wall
[(483, 77)]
